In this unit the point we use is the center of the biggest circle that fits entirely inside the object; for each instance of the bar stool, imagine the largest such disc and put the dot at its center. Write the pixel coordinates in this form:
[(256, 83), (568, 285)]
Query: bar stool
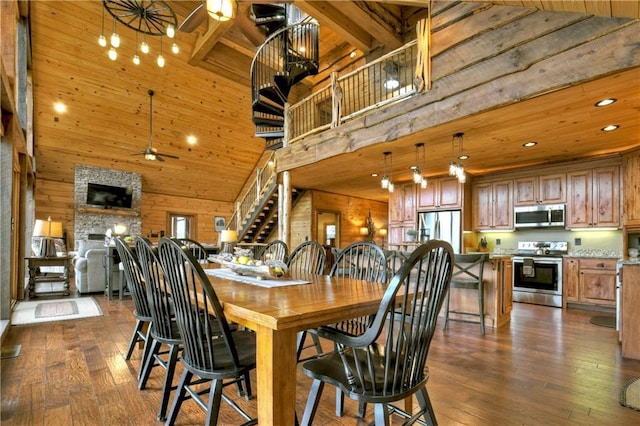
[(467, 274)]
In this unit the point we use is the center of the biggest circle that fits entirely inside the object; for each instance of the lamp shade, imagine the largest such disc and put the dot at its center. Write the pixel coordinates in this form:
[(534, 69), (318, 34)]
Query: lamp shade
[(228, 236), (364, 231), (47, 228)]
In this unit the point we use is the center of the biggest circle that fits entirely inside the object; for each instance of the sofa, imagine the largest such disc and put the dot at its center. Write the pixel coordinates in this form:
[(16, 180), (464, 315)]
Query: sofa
[(88, 264)]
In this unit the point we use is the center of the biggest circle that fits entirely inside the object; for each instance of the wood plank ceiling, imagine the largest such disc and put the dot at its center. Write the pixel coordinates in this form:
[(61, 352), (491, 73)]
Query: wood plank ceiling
[(205, 91)]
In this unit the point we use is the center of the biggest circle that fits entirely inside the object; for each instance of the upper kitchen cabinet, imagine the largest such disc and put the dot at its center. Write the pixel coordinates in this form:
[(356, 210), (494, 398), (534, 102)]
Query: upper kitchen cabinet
[(548, 189), (441, 194), (594, 198), (402, 212), (631, 188), (493, 205), (402, 203)]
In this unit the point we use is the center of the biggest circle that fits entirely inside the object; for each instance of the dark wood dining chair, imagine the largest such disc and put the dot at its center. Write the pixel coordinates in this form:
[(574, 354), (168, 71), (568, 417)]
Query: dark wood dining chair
[(197, 249), (467, 274), (142, 312), (307, 258), (274, 250), (164, 332), (212, 351), (387, 362)]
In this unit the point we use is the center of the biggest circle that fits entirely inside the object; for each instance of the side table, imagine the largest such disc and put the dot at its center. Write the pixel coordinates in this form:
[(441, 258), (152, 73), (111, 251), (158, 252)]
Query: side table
[(54, 281)]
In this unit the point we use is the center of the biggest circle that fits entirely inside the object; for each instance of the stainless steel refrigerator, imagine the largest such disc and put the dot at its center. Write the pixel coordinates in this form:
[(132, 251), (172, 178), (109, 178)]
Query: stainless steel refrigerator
[(441, 225)]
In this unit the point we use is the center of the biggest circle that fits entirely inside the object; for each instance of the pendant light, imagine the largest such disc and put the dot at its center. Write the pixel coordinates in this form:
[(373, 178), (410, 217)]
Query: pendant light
[(391, 187), (385, 179)]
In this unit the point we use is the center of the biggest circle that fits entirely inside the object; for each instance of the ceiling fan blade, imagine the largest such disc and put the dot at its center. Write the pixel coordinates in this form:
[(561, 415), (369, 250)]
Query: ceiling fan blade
[(159, 157), (138, 153), (195, 18), (168, 155)]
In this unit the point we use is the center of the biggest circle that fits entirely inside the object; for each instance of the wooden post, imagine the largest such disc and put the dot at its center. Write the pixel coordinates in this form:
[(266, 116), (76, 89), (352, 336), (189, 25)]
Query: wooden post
[(422, 78), (284, 195), (336, 97)]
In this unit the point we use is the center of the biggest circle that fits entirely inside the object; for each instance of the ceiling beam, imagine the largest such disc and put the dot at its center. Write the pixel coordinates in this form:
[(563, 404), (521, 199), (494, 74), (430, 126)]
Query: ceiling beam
[(329, 16), (387, 32), (206, 42)]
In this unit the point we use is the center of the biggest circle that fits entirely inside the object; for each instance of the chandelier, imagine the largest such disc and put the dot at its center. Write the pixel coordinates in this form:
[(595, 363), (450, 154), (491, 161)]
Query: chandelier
[(457, 169), (150, 18)]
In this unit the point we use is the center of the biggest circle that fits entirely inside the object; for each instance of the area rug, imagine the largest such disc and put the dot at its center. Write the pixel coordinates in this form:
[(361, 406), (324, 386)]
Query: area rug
[(38, 311), (604, 321), (630, 394)]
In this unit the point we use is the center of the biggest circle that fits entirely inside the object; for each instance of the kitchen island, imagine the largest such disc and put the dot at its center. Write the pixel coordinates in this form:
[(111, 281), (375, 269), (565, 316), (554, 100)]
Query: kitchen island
[(498, 292)]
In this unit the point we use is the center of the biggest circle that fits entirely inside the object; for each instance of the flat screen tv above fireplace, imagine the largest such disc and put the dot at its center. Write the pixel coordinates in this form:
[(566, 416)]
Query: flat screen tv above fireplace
[(108, 196)]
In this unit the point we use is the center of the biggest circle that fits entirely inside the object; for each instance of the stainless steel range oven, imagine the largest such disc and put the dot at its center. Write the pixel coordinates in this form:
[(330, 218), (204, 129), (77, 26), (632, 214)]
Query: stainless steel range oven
[(537, 272)]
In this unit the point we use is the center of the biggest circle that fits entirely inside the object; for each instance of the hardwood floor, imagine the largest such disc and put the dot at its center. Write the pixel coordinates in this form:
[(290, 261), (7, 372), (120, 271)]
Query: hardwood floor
[(548, 366)]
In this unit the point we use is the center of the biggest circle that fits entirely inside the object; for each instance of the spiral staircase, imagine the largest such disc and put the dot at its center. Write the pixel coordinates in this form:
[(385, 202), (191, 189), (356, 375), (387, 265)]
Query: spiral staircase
[(289, 54)]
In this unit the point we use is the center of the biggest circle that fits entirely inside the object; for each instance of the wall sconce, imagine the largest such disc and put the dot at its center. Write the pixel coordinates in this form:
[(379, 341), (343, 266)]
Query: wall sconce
[(369, 228), (48, 231)]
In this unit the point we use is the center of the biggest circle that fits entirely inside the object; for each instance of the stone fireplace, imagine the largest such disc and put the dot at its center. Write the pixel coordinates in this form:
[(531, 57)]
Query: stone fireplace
[(92, 220)]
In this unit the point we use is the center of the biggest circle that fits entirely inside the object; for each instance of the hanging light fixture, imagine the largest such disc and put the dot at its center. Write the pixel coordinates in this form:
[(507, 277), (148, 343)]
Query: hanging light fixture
[(221, 10), (457, 169), (417, 176), (385, 179), (102, 40), (149, 17), (423, 179), (391, 186)]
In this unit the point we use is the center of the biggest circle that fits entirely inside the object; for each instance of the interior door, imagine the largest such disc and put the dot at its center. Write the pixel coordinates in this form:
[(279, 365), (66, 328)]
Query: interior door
[(328, 227)]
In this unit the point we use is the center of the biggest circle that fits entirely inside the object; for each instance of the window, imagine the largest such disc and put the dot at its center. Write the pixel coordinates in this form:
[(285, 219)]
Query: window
[(182, 225)]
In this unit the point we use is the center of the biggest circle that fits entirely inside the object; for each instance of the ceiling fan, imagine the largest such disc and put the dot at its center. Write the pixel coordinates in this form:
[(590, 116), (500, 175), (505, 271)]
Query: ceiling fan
[(220, 10), (152, 153)]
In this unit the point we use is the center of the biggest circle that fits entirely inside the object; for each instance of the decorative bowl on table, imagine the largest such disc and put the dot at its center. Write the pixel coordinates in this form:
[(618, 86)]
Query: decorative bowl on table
[(271, 269)]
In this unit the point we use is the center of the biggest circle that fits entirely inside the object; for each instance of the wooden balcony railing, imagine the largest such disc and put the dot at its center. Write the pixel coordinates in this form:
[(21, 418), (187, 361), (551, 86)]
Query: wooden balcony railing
[(355, 93)]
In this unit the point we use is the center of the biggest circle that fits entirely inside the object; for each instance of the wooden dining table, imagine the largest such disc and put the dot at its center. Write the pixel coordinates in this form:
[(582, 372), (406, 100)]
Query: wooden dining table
[(277, 315)]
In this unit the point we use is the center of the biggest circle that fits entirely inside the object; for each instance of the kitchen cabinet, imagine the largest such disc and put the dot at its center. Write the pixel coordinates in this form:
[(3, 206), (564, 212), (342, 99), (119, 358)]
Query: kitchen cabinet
[(402, 212), (504, 282), (547, 189), (630, 314), (493, 205), (570, 280), (442, 193), (631, 188), (593, 198), (590, 281)]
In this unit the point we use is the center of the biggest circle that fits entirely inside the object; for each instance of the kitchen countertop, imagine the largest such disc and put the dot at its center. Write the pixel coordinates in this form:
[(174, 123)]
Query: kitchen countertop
[(630, 261)]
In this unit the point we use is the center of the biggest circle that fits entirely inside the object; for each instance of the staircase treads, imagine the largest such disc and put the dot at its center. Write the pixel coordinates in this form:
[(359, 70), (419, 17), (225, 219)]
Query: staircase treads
[(269, 91), (265, 106), (268, 121)]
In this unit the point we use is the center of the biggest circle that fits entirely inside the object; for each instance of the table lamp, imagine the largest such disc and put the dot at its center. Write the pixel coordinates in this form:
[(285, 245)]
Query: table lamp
[(229, 237), (47, 230)]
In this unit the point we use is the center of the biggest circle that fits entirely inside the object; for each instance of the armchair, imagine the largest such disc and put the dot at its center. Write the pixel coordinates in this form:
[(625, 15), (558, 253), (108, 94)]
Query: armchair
[(88, 264)]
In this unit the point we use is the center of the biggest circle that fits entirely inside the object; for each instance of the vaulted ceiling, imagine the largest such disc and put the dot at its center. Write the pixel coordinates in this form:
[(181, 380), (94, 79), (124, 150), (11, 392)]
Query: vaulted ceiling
[(205, 91)]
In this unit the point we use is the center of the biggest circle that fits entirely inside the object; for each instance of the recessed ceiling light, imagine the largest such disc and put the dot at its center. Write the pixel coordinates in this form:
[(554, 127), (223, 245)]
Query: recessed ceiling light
[(352, 54), (610, 127), (605, 102), (60, 107), (191, 140), (463, 157), (374, 174), (529, 144)]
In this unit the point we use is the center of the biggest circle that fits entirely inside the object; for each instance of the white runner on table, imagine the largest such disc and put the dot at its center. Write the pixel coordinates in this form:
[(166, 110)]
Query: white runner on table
[(229, 274)]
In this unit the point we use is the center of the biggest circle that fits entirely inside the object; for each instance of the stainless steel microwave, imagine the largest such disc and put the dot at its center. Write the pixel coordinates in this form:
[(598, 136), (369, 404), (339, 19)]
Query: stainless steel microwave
[(540, 216)]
